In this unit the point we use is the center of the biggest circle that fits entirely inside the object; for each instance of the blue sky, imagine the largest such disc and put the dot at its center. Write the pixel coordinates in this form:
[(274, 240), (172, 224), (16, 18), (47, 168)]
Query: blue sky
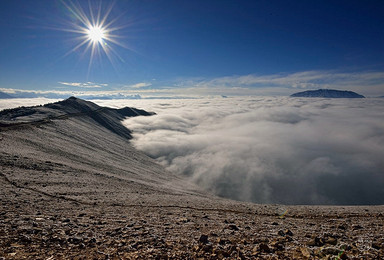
[(183, 48)]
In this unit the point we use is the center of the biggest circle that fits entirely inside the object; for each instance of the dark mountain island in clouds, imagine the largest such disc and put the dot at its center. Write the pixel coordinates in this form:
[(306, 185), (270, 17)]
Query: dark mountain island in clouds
[(72, 185), (328, 93)]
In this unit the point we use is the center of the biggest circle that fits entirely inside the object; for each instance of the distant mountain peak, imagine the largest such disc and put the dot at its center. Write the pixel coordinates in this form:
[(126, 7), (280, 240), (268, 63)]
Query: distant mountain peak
[(328, 93)]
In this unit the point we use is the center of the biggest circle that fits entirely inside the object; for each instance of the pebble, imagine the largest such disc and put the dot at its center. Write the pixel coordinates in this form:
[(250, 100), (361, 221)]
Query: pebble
[(203, 239), (233, 227), (263, 247)]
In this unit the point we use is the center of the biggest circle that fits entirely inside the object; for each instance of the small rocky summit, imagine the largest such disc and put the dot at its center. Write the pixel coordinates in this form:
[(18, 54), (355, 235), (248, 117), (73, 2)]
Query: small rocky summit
[(328, 93)]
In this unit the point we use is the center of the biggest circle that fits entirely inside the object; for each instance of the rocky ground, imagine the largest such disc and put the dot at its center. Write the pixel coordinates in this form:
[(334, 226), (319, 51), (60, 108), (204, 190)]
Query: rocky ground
[(37, 226), (72, 189)]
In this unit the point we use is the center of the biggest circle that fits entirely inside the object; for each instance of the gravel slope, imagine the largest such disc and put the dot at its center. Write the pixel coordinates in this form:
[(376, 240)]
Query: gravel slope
[(73, 187)]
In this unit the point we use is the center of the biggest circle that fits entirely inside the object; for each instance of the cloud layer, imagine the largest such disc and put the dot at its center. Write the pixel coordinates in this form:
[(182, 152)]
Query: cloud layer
[(271, 150)]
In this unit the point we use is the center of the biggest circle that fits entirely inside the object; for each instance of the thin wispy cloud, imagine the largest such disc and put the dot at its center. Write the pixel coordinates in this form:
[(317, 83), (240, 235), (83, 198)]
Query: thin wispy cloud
[(36, 92), (83, 84), (139, 85)]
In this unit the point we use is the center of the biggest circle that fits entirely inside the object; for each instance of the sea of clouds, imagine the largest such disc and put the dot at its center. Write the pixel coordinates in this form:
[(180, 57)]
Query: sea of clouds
[(269, 149)]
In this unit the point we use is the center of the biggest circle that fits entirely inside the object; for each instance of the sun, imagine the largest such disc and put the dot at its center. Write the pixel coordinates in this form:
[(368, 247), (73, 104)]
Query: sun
[(96, 29), (96, 34)]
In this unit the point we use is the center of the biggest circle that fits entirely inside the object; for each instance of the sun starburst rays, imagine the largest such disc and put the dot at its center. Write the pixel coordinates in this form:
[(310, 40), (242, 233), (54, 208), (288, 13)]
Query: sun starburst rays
[(97, 32)]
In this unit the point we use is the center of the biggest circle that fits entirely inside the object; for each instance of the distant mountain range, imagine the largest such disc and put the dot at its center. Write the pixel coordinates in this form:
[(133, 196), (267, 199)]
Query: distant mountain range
[(328, 93), (4, 95)]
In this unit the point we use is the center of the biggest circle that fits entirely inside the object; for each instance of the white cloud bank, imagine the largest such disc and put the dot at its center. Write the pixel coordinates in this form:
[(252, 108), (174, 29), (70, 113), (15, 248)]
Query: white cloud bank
[(270, 150), (26, 102)]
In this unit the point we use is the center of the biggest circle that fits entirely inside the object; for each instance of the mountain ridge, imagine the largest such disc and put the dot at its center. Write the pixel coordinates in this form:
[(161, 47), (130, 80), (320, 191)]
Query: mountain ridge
[(109, 118)]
